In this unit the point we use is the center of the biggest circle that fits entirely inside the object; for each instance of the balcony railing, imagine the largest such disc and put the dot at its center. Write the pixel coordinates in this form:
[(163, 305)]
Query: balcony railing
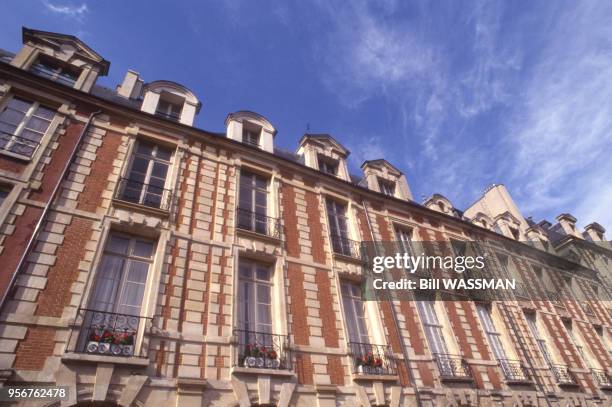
[(175, 117), (601, 378), (109, 333), (452, 367), (372, 359), (18, 145), (514, 370), (143, 194), (258, 223), (562, 375), (346, 247), (261, 350)]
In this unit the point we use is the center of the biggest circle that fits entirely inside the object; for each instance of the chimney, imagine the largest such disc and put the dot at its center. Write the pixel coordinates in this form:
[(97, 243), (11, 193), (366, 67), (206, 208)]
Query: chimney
[(568, 223), (131, 86), (595, 232)]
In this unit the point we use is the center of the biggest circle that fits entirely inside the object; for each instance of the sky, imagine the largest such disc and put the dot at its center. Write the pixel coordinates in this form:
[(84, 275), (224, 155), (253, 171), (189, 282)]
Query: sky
[(458, 95)]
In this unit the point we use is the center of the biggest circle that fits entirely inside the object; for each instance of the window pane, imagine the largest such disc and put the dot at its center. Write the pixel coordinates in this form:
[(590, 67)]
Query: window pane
[(263, 273), (164, 153), (143, 248), (160, 170), (39, 125), (10, 116), (117, 244), (140, 165), (19, 104), (263, 294), (145, 148), (44, 113)]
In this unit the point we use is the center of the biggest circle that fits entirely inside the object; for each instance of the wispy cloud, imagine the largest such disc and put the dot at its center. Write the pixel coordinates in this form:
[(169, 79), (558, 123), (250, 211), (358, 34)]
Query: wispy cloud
[(76, 12), (561, 138)]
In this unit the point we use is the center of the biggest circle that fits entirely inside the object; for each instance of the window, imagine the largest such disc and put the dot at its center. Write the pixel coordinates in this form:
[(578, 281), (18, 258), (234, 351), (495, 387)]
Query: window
[(442, 206), (493, 336), (23, 124), (147, 176), (169, 110), (4, 191), (354, 312), (56, 70), (122, 275), (328, 165), (253, 203), (338, 227), (254, 297), (542, 345), (386, 187), (433, 327), (251, 137), (404, 239)]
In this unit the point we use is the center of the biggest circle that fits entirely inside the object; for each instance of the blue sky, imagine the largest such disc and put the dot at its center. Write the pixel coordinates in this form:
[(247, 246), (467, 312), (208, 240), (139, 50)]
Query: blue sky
[(458, 95)]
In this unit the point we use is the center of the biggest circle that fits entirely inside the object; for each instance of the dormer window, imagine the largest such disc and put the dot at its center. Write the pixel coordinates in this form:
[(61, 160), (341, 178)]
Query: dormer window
[(386, 187), (328, 165), (56, 70), (441, 206), (250, 136), (515, 233), (169, 110)]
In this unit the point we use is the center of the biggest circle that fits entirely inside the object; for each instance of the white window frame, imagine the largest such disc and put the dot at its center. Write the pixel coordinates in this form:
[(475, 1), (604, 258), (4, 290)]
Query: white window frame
[(387, 187), (326, 163), (355, 313), (253, 284), (29, 114), (145, 183), (433, 328)]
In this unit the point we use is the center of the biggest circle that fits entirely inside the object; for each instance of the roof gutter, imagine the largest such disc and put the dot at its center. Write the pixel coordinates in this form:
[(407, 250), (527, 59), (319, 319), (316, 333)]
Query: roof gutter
[(47, 208)]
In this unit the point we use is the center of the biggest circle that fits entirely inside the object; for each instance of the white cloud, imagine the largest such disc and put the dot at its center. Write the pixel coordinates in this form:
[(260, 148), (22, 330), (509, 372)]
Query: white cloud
[(76, 12), (561, 140)]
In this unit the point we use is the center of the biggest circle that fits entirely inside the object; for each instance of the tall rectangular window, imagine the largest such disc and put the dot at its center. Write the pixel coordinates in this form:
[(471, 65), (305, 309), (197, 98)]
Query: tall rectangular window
[(338, 227), (493, 336), (122, 274), (23, 124), (404, 239), (386, 187), (542, 345), (433, 328), (254, 297), (253, 203), (355, 312), (146, 179)]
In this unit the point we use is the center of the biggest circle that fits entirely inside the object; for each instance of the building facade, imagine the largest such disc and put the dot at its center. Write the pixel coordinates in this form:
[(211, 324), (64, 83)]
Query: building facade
[(149, 262)]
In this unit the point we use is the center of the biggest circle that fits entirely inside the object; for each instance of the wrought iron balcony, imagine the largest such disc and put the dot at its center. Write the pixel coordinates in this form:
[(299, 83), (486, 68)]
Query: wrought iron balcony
[(18, 145), (372, 359), (175, 117), (346, 247), (514, 370), (261, 350), (109, 333), (562, 374), (143, 194), (258, 223), (601, 378), (49, 73), (452, 367)]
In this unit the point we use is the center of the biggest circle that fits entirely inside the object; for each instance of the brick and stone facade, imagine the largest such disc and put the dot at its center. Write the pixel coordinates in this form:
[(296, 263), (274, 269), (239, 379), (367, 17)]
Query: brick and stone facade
[(70, 195)]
